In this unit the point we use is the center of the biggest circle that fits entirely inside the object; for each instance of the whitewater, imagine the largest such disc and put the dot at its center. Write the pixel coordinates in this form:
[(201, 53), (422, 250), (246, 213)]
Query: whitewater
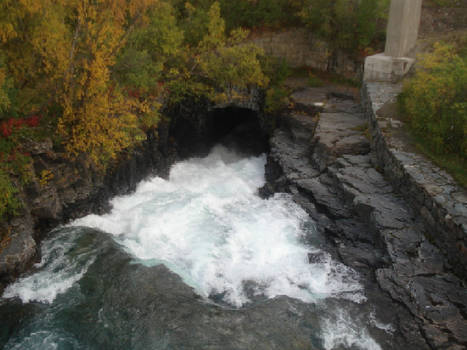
[(207, 224)]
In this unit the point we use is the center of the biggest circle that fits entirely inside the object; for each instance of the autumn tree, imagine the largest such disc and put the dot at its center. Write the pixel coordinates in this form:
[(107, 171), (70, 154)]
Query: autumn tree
[(151, 50), (215, 65), (94, 113), (98, 71), (35, 42)]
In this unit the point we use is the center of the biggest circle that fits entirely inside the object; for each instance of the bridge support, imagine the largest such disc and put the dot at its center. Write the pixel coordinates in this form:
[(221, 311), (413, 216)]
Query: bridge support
[(401, 37)]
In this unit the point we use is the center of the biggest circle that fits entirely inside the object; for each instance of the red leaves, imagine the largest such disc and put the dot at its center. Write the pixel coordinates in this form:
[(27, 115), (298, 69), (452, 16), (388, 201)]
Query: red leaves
[(33, 120), (134, 93), (7, 127)]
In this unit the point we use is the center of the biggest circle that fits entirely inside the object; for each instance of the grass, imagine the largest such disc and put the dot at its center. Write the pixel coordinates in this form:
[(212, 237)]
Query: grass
[(454, 164)]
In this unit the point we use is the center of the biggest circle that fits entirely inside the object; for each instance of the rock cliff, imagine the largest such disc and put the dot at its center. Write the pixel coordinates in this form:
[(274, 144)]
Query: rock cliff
[(328, 166)]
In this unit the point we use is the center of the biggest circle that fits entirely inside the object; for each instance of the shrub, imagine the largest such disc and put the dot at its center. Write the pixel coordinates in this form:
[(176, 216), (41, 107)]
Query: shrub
[(9, 203), (434, 101), (276, 69), (277, 98)]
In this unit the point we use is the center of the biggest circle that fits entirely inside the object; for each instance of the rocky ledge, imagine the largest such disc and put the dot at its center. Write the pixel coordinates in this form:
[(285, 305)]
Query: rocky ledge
[(327, 164), (431, 192), (73, 189)]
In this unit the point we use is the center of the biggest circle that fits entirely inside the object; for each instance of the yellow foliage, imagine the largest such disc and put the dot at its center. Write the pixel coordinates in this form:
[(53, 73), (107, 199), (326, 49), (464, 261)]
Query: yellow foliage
[(99, 70), (46, 177), (220, 67), (97, 119)]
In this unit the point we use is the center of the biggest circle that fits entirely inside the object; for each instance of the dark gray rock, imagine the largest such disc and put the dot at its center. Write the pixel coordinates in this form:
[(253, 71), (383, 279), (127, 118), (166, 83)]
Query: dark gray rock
[(325, 197), (74, 189), (375, 230), (19, 254), (429, 190)]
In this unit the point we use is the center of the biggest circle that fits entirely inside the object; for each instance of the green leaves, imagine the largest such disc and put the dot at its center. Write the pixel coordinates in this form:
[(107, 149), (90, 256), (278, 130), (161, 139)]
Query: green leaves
[(232, 69), (98, 71), (349, 25), (434, 101), (214, 66), (9, 204)]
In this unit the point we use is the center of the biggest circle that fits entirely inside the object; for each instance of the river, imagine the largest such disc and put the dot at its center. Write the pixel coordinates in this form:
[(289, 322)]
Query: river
[(195, 261)]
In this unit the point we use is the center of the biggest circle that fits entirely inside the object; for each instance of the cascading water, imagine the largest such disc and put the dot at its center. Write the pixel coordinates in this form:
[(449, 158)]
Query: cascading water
[(102, 281)]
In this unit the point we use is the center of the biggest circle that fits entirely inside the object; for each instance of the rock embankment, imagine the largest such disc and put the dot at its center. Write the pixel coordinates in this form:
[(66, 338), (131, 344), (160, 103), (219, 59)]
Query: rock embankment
[(431, 192), (328, 166), (73, 190)]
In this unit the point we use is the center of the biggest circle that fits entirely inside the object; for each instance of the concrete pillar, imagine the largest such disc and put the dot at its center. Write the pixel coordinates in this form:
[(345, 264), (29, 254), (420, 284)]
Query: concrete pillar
[(401, 37), (402, 30)]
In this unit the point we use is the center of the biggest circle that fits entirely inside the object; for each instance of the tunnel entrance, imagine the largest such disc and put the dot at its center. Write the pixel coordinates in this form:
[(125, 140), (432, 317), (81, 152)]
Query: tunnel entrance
[(236, 128)]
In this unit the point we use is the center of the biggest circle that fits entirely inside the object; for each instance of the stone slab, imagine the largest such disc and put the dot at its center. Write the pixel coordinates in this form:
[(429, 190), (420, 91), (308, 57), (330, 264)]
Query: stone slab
[(381, 67)]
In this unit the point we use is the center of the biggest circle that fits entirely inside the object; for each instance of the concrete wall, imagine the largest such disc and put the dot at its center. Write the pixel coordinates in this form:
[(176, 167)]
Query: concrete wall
[(299, 49), (402, 29)]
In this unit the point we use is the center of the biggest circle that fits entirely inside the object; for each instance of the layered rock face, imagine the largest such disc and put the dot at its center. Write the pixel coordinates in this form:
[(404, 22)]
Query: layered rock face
[(70, 190), (430, 191), (73, 190), (326, 163)]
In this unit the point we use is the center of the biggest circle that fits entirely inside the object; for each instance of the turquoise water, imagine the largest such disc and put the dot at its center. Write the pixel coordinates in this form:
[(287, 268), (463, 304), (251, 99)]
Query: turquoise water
[(200, 249)]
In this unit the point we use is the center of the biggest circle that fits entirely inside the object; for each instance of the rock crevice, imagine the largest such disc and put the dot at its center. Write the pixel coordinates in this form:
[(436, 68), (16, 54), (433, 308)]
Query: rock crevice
[(369, 225)]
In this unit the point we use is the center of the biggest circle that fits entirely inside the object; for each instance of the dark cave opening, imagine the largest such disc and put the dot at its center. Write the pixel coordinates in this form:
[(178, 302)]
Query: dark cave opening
[(236, 128)]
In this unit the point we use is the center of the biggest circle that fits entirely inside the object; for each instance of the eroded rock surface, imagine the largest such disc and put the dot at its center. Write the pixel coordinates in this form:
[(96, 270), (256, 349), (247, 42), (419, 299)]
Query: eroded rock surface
[(431, 192), (372, 228), (60, 190)]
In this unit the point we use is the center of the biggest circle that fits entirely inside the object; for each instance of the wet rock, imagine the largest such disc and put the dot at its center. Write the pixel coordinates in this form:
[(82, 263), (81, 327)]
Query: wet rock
[(340, 134), (428, 189), (47, 205), (374, 229), (293, 160), (61, 190), (310, 100), (325, 197), (21, 251), (314, 258), (362, 256)]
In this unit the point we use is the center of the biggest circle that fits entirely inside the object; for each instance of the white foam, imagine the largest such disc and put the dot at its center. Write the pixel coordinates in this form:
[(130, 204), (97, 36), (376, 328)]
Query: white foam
[(57, 272), (387, 327), (341, 330), (207, 224), (43, 339)]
